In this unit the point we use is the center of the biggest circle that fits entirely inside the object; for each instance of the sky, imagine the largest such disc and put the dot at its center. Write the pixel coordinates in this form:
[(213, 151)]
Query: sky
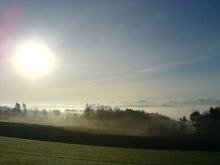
[(112, 51)]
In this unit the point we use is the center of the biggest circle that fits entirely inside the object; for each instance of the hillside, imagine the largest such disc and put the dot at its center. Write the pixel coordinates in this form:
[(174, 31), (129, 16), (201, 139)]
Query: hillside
[(20, 151)]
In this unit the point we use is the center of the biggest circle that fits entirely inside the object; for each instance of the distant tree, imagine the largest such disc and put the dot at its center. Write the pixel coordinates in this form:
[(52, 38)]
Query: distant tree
[(195, 116), (107, 112), (183, 122), (17, 107), (24, 107), (195, 120), (207, 123), (214, 113), (130, 119), (44, 111), (56, 112), (89, 111)]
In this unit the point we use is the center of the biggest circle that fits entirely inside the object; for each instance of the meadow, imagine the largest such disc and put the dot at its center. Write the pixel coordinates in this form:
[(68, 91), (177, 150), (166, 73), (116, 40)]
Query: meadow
[(94, 139), (21, 151)]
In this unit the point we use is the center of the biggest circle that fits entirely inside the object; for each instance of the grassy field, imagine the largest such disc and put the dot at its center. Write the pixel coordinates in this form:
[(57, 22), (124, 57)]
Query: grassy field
[(20, 151)]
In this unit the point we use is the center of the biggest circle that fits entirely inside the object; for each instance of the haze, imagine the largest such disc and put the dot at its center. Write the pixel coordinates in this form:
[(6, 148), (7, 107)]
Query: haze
[(113, 51)]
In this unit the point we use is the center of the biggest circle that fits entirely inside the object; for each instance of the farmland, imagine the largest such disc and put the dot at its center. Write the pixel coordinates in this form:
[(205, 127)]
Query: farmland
[(21, 151)]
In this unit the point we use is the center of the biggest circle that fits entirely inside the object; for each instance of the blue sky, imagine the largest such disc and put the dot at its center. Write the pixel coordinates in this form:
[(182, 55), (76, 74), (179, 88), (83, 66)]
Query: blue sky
[(118, 50)]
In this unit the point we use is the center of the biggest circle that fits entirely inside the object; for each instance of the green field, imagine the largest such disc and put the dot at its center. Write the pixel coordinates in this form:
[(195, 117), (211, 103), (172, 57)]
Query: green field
[(21, 151)]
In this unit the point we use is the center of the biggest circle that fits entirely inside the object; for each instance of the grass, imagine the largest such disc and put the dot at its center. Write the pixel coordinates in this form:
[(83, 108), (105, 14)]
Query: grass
[(21, 151)]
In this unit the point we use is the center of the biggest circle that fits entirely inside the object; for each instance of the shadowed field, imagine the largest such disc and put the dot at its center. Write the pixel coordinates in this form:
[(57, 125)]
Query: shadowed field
[(20, 151), (60, 134)]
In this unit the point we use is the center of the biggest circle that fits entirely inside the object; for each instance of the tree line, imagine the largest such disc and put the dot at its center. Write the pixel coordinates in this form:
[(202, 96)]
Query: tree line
[(204, 124), (107, 112), (18, 108)]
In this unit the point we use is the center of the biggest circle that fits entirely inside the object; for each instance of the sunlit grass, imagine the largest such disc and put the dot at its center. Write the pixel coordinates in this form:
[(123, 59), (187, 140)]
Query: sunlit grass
[(20, 151)]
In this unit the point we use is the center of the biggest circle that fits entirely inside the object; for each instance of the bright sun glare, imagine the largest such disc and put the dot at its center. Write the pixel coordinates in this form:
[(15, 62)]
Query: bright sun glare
[(33, 59)]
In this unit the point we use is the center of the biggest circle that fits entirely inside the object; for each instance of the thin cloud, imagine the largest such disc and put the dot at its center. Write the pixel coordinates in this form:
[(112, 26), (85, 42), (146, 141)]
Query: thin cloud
[(172, 65), (147, 70), (126, 72), (111, 76)]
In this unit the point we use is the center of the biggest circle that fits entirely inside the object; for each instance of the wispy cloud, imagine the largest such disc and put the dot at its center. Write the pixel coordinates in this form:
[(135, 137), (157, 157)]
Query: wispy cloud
[(132, 72), (147, 70), (113, 75), (172, 64)]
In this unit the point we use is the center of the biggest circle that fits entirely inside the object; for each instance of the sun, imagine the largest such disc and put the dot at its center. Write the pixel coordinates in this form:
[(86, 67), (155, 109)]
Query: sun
[(33, 58)]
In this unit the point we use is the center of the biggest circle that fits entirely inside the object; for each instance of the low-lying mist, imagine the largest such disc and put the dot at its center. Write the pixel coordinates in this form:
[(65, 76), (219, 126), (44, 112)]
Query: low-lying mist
[(97, 119)]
